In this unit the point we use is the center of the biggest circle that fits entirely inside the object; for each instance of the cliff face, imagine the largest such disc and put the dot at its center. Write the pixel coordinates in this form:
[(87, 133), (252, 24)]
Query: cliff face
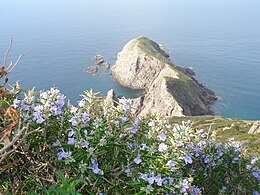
[(170, 90)]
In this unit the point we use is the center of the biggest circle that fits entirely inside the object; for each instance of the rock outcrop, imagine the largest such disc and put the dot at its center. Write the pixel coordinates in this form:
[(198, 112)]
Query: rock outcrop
[(170, 90), (255, 129)]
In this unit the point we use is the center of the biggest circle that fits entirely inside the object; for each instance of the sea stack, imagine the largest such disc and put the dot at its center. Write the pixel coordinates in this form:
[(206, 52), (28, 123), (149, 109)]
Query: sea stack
[(170, 90)]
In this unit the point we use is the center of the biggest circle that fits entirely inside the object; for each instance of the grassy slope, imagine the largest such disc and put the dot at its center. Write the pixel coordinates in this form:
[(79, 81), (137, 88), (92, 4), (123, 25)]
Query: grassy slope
[(225, 128)]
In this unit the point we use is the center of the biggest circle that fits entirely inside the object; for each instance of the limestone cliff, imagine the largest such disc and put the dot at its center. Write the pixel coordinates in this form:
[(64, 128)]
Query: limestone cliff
[(170, 90)]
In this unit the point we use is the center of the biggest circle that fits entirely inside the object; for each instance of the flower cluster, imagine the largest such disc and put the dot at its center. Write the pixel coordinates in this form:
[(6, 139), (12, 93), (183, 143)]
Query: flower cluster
[(40, 107)]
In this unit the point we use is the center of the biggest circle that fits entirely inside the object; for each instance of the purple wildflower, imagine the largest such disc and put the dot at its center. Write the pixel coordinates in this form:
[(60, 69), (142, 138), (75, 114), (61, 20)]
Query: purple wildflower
[(196, 191), (256, 174), (85, 144), (124, 118), (161, 136), (71, 140), (162, 147), (159, 180), (170, 164), (73, 121), (184, 186), (206, 160), (138, 160), (62, 154), (188, 159), (95, 168), (179, 144)]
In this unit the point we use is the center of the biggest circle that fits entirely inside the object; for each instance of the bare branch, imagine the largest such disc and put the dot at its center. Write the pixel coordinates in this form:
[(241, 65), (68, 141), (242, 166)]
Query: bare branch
[(7, 52), (11, 66)]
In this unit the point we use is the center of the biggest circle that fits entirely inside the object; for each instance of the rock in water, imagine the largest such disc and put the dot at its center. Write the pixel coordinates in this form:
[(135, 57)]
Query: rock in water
[(91, 70), (170, 90)]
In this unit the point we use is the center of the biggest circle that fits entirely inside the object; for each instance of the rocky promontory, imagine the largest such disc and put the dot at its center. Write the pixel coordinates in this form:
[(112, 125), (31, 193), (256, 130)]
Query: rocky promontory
[(170, 90)]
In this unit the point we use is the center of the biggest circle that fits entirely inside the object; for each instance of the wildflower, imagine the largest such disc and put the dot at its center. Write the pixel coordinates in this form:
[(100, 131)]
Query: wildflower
[(256, 174), (184, 185), (151, 178), (143, 176), (235, 159), (206, 160), (170, 164), (163, 147), (161, 136), (71, 140), (159, 180), (85, 117), (71, 133), (81, 103), (248, 167), (16, 103), (196, 191), (85, 144), (124, 119), (138, 160), (188, 159), (73, 121), (73, 109), (62, 154), (116, 122), (253, 161), (179, 144), (95, 168), (134, 129), (256, 193)]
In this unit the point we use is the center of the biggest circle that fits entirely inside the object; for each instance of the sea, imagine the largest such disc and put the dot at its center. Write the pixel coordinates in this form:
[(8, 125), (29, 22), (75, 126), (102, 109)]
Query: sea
[(219, 39)]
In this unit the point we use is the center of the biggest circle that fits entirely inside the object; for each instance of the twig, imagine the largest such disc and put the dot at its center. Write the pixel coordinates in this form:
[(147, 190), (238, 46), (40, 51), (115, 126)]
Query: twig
[(13, 65), (7, 52)]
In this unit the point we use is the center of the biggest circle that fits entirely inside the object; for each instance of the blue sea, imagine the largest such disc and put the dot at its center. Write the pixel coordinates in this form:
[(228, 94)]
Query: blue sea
[(219, 39)]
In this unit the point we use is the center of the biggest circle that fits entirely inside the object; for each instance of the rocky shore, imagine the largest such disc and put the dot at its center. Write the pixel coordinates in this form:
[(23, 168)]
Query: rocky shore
[(170, 90)]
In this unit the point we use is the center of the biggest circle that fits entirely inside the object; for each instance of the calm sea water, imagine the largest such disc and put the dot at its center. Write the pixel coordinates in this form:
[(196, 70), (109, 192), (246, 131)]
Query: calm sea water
[(219, 39)]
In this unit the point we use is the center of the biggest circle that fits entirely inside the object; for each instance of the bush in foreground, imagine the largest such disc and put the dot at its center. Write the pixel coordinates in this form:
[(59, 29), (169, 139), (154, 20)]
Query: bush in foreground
[(102, 149)]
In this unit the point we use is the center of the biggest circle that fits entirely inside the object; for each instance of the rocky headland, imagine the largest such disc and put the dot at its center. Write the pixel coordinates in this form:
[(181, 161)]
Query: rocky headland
[(170, 90)]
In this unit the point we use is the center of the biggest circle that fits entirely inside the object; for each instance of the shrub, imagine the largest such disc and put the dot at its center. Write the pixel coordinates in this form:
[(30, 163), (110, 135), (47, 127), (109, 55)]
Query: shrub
[(111, 152)]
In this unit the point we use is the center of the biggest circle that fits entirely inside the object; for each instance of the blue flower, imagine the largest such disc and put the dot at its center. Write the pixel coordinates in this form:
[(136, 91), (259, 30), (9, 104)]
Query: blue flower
[(71, 140), (124, 118), (188, 159), (184, 186), (206, 160), (138, 160), (170, 164), (179, 144), (196, 191), (73, 121), (159, 180), (161, 136), (71, 133), (162, 147), (62, 154), (95, 168), (256, 174), (85, 144), (85, 117)]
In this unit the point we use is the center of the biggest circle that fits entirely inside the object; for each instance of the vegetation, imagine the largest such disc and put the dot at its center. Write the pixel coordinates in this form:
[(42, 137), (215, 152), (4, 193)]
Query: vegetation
[(49, 146)]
